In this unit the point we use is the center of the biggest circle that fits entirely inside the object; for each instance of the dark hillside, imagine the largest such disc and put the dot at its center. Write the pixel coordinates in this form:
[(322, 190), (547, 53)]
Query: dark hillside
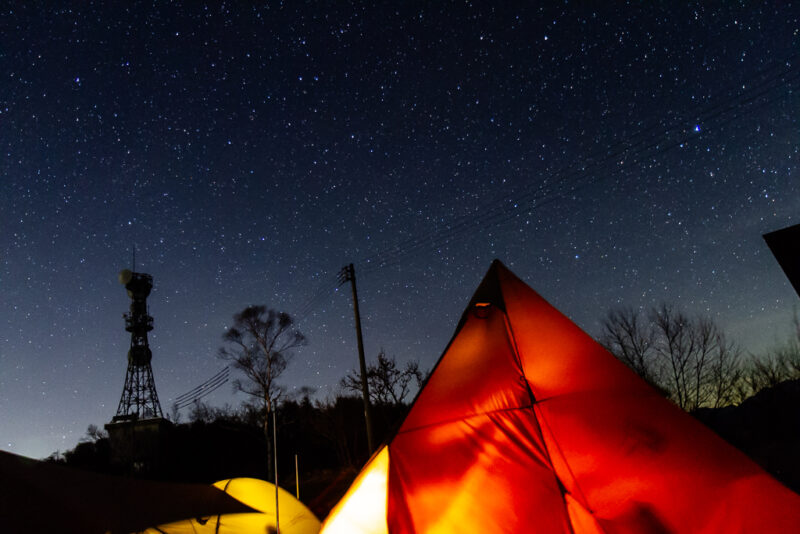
[(766, 427)]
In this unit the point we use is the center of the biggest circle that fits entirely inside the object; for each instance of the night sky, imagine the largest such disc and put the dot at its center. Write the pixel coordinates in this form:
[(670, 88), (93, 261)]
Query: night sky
[(610, 156)]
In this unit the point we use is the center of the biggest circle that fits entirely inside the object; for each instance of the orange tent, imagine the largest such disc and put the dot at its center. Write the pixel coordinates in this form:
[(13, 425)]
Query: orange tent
[(528, 425)]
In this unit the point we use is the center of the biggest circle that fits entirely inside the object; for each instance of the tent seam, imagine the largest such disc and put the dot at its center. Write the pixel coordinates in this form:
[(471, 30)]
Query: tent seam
[(540, 415), (462, 418)]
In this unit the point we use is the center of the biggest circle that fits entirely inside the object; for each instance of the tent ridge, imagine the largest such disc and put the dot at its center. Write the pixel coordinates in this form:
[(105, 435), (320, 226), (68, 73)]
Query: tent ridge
[(463, 418), (563, 492)]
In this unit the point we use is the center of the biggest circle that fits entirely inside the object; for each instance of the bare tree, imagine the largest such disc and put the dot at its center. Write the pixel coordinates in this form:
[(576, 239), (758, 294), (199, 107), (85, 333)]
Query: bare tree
[(769, 369), (772, 366), (174, 416), (388, 383), (689, 359), (726, 374), (676, 344), (631, 340), (260, 345), (94, 434), (335, 423)]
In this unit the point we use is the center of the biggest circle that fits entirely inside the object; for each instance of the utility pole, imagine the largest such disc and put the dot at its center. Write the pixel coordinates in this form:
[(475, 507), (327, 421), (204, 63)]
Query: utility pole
[(348, 273), (275, 444), (297, 477)]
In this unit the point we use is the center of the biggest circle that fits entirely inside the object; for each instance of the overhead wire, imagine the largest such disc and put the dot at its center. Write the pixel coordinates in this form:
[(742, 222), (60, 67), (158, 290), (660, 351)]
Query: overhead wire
[(323, 291), (661, 140), (204, 389), (207, 392), (218, 374), (221, 377), (648, 141)]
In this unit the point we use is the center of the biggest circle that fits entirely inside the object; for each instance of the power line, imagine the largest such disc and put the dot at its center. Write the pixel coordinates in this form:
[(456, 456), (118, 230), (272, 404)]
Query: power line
[(323, 291), (195, 399), (221, 373), (204, 389), (648, 140)]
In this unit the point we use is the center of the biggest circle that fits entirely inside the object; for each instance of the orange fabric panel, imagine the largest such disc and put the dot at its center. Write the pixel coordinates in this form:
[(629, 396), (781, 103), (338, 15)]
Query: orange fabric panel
[(469, 456), (582, 521), (632, 458), (485, 473), (479, 373)]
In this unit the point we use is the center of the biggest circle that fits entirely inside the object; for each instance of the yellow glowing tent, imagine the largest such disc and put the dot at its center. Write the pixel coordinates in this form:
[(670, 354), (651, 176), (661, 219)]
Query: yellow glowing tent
[(294, 517), (527, 425)]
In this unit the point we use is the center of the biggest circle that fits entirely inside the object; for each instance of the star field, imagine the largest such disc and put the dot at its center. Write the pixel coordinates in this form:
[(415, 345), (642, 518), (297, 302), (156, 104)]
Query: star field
[(611, 156)]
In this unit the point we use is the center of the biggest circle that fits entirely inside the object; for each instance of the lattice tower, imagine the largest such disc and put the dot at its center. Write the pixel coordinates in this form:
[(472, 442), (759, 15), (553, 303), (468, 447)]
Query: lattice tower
[(139, 398)]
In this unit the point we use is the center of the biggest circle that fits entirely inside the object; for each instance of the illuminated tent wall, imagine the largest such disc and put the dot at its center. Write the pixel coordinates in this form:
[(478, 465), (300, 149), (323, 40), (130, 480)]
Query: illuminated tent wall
[(294, 517), (528, 425)]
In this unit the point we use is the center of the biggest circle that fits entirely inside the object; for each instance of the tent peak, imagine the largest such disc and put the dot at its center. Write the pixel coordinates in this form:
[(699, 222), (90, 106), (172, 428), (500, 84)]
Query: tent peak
[(489, 290)]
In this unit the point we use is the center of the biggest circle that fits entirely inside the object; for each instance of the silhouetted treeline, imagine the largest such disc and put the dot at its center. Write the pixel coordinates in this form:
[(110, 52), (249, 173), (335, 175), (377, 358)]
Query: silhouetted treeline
[(330, 442), (688, 358), (328, 437), (766, 427), (691, 360)]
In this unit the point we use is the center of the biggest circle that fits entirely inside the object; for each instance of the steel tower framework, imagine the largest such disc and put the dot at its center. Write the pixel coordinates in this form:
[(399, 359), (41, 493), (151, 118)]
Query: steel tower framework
[(139, 398)]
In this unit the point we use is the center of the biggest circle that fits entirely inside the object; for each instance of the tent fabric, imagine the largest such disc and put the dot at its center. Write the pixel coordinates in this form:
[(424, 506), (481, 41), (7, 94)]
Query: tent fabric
[(362, 510), (43, 497), (526, 424), (259, 495)]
